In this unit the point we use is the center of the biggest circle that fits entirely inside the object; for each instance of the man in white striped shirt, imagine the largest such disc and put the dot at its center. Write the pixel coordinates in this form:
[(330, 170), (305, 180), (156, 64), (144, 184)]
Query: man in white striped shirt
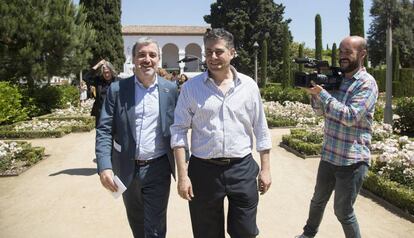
[(224, 109)]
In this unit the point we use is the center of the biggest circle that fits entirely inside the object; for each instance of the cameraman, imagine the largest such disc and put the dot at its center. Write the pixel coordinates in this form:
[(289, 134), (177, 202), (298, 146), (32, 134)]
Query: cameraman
[(345, 154)]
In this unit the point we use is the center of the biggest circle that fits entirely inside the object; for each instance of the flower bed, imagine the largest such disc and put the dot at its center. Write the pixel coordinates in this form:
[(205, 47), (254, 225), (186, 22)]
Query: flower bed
[(17, 156), (57, 124), (45, 128), (289, 114), (391, 175)]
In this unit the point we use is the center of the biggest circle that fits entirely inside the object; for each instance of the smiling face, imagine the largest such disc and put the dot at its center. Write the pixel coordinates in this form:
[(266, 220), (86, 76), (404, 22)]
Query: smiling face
[(351, 55), (146, 60), (218, 55)]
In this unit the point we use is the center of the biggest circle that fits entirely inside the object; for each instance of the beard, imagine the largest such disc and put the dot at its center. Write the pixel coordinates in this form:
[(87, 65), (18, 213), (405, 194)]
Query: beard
[(352, 65)]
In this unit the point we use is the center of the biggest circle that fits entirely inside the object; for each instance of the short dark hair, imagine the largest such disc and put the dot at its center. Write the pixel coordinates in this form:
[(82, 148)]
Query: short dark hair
[(219, 34)]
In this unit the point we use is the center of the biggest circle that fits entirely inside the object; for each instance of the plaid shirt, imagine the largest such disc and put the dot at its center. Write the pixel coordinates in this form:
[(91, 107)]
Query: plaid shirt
[(348, 114)]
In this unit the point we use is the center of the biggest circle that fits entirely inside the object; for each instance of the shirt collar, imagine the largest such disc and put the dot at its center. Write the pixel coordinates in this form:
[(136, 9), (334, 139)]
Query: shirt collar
[(359, 73), (236, 79), (154, 84)]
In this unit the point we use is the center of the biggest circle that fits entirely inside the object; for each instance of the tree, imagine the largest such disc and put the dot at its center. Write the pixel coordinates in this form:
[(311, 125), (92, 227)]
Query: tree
[(263, 64), (300, 55), (402, 17), (356, 18), (286, 74), (395, 64), (40, 39), (333, 57), (318, 37), (105, 18), (249, 21)]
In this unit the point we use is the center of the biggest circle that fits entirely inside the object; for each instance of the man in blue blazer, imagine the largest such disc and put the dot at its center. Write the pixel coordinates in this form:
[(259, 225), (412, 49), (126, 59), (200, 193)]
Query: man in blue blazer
[(133, 141)]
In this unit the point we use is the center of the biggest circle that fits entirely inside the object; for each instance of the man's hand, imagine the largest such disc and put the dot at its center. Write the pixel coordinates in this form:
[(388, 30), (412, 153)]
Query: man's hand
[(107, 181), (264, 181), (315, 90), (185, 189)]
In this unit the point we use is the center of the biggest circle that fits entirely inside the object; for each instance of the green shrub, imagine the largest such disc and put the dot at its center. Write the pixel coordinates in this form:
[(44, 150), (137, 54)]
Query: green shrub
[(68, 95), (303, 147), (42, 100), (394, 193), (280, 122), (277, 94), (28, 156), (11, 109), (379, 113), (405, 109)]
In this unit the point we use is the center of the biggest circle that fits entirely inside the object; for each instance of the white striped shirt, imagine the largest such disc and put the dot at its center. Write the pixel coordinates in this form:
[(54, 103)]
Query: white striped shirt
[(222, 125)]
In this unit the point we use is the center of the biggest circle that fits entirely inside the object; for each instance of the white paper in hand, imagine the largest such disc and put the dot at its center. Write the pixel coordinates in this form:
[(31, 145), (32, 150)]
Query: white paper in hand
[(121, 187)]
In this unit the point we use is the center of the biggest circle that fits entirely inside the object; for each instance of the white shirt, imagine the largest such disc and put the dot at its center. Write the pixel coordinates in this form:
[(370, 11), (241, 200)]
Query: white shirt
[(222, 125)]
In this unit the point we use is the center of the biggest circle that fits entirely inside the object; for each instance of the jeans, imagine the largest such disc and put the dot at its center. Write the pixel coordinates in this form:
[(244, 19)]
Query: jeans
[(346, 181)]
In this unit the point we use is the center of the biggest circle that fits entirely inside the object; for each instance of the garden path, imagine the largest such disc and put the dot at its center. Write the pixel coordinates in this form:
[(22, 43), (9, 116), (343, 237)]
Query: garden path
[(62, 197)]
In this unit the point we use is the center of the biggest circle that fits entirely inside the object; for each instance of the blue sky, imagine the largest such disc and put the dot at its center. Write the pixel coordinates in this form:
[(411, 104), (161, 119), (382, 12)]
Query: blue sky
[(334, 15)]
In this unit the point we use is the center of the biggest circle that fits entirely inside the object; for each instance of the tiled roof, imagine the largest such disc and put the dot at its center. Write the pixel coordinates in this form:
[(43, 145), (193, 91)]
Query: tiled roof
[(163, 30)]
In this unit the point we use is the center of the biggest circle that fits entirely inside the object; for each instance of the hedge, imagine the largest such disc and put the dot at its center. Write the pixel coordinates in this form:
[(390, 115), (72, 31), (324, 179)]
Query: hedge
[(404, 108), (278, 94), (280, 122), (394, 193), (26, 158), (404, 87)]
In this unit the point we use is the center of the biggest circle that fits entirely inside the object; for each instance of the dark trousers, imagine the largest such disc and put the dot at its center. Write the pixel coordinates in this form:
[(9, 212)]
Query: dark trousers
[(146, 199), (346, 181), (211, 183)]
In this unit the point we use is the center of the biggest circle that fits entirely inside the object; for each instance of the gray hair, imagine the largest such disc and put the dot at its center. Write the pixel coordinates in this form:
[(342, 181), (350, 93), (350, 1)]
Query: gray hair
[(219, 34), (144, 41), (111, 68)]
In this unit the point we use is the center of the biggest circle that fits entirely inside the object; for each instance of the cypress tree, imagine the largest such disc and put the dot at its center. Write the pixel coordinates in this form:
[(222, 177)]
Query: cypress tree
[(300, 55), (318, 37), (333, 56), (356, 18), (105, 18), (263, 64), (286, 77), (396, 64)]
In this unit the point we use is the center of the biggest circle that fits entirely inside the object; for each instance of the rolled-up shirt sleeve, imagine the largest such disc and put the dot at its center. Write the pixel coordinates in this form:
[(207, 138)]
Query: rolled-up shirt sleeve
[(260, 128), (182, 120)]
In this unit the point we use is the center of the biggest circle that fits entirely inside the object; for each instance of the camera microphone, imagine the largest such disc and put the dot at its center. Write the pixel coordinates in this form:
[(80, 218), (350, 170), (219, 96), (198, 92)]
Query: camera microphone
[(302, 60)]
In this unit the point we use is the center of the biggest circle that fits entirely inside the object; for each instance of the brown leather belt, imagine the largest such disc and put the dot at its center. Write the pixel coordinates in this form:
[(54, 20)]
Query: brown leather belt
[(149, 161)]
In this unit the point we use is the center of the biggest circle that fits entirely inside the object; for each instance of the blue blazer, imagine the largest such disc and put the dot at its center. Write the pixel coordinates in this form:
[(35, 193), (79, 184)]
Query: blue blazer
[(116, 131)]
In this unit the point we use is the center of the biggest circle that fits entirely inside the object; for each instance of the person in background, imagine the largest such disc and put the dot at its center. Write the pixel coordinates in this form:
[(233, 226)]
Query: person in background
[(98, 80), (346, 154), (181, 80)]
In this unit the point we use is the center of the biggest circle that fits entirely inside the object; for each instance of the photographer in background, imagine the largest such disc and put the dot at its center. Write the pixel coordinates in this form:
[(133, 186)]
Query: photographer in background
[(345, 154), (98, 80)]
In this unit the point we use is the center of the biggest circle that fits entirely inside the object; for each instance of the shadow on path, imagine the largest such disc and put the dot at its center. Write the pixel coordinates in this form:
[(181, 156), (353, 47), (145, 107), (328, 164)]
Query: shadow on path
[(79, 171)]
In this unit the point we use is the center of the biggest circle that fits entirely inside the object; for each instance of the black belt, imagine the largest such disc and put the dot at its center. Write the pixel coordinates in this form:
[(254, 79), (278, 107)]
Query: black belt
[(221, 161), (149, 161)]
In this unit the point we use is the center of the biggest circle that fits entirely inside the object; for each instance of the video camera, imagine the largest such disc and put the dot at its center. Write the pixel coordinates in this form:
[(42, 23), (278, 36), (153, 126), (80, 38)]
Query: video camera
[(330, 81)]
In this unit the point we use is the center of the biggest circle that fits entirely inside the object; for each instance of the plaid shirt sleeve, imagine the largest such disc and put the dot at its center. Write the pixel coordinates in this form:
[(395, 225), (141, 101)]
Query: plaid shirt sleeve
[(317, 105), (359, 102)]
